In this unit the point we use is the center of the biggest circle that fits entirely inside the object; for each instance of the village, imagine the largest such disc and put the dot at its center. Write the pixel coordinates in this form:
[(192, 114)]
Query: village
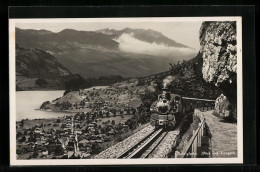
[(75, 136), (102, 117)]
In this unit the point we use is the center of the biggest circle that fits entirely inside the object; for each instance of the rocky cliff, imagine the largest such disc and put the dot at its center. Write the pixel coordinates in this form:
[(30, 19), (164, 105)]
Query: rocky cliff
[(219, 52)]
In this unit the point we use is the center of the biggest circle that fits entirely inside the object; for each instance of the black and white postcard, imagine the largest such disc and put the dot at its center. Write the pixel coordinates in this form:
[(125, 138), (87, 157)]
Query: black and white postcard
[(106, 91)]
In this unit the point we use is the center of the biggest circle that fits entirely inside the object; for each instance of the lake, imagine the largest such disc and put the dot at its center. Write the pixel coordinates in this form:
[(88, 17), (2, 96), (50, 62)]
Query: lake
[(28, 101)]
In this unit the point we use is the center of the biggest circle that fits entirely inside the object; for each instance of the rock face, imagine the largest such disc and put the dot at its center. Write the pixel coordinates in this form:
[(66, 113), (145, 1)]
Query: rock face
[(219, 51), (222, 106), (218, 45)]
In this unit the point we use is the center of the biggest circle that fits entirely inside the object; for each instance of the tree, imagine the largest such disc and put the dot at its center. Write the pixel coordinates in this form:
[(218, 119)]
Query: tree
[(41, 82), (88, 118), (44, 104), (100, 114), (22, 123), (107, 114), (93, 117), (113, 122), (96, 132), (95, 148), (31, 139), (86, 130), (59, 150), (23, 139), (82, 116), (35, 154), (18, 134)]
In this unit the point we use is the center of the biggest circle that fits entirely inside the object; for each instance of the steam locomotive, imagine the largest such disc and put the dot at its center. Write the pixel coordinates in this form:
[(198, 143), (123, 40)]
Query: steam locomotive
[(170, 108), (167, 110)]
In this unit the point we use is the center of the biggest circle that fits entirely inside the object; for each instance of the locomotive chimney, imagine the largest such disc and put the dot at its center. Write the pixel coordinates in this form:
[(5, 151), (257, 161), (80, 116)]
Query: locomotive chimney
[(165, 90)]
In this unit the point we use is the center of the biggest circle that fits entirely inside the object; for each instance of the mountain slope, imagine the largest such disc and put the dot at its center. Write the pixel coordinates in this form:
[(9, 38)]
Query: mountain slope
[(94, 63), (37, 69), (35, 62), (185, 79)]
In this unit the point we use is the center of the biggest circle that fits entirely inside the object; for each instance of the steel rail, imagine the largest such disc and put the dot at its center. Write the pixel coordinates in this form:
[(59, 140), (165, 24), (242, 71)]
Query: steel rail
[(154, 145), (140, 145)]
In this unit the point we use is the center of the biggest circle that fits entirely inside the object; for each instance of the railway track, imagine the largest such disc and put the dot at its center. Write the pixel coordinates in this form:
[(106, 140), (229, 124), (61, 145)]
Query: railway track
[(148, 144), (145, 147)]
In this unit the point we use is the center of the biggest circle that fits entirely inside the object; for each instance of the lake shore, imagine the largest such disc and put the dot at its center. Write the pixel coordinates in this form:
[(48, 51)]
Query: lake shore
[(28, 104)]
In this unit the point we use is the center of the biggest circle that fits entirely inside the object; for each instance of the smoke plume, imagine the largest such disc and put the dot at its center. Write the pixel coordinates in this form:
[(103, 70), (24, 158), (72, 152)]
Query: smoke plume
[(167, 81)]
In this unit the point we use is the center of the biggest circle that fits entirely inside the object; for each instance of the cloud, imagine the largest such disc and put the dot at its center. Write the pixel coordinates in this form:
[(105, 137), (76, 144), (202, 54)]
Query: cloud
[(128, 43)]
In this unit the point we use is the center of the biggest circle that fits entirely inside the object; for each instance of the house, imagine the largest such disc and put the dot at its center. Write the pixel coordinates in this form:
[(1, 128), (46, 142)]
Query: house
[(92, 141), (91, 125), (83, 142), (45, 153), (70, 153), (125, 126), (85, 155), (112, 132), (47, 135), (37, 130), (99, 141), (79, 132)]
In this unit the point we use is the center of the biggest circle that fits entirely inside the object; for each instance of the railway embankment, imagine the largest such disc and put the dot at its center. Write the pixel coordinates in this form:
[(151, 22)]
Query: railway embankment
[(166, 145), (114, 151)]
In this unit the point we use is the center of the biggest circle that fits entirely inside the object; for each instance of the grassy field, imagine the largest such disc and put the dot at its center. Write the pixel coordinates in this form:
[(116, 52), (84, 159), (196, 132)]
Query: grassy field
[(117, 119)]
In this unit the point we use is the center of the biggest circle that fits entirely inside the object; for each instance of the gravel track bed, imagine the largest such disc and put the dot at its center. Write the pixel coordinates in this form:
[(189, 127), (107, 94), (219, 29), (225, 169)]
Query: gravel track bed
[(165, 147), (117, 149)]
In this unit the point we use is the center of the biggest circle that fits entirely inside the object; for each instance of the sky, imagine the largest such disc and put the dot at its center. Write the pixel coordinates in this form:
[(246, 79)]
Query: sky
[(183, 32)]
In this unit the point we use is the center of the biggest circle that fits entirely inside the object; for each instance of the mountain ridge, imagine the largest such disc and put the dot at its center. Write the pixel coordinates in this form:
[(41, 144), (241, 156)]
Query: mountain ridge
[(93, 54)]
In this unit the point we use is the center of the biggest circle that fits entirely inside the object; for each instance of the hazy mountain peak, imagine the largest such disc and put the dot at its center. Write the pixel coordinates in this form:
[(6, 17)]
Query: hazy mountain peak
[(146, 35)]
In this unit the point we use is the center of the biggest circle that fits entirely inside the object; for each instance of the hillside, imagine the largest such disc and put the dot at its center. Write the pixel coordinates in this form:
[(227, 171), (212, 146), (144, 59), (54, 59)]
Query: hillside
[(185, 79), (37, 69), (128, 52)]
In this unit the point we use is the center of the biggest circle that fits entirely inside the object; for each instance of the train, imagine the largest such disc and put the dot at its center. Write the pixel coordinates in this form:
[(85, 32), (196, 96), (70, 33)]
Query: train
[(170, 108)]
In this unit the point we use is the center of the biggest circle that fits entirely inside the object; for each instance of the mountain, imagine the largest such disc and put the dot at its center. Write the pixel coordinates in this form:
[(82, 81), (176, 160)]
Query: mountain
[(65, 40), (128, 52), (37, 69), (146, 35)]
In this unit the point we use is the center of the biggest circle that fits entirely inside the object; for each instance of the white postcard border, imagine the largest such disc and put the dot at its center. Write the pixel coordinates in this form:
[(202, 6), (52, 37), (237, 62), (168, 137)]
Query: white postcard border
[(12, 96)]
